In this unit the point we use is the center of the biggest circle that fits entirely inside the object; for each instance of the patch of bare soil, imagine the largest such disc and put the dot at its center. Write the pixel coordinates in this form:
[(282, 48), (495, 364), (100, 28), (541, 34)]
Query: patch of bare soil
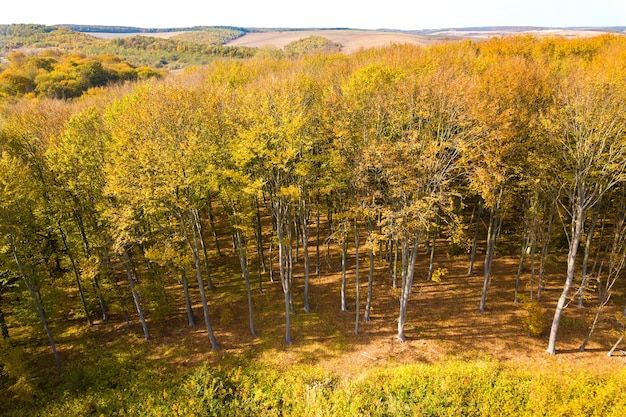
[(351, 40)]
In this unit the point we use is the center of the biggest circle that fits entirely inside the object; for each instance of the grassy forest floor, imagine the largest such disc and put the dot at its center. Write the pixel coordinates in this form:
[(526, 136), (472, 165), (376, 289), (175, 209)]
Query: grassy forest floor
[(444, 326)]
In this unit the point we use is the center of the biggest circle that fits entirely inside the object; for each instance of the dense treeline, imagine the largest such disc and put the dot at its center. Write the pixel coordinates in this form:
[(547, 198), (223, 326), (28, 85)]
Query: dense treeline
[(54, 75), (116, 196), (196, 47)]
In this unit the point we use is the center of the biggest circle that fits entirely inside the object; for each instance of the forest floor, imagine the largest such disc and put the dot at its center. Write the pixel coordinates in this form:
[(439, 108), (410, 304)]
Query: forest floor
[(443, 321)]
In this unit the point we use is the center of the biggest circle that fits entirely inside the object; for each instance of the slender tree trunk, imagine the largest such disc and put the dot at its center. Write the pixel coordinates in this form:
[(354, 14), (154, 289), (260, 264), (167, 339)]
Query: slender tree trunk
[(545, 247), (356, 274), (610, 352), (95, 283), (370, 276), (344, 251), (588, 241), (280, 224), (470, 270), (431, 261), (190, 317), (212, 223), (318, 261), (576, 232), (243, 261), (396, 244), (193, 246), (520, 266), (305, 252), (118, 291), (200, 230), (133, 290), (79, 285), (407, 283), (492, 234), (33, 294), (259, 237)]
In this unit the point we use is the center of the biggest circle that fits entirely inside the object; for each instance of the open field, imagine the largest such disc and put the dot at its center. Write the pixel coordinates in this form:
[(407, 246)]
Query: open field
[(353, 40)]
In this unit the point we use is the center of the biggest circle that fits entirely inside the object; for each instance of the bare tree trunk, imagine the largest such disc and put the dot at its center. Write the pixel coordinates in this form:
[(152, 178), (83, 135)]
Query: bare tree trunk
[(407, 283), (610, 352), (33, 294), (95, 284), (520, 265), (200, 230), (589, 240), (396, 244), (576, 232), (492, 232), (133, 290), (545, 247), (280, 215), (370, 276), (344, 251), (212, 223), (304, 224), (193, 246), (431, 260), (470, 270), (243, 261), (79, 285)]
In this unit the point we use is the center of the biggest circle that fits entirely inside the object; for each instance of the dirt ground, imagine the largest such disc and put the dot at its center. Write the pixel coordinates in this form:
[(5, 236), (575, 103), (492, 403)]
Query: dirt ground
[(443, 322)]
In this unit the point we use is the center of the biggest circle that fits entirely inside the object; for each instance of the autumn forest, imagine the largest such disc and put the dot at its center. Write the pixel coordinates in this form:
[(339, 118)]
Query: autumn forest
[(136, 198)]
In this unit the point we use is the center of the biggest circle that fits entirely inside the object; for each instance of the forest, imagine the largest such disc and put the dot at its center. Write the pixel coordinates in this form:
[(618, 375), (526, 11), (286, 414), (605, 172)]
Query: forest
[(145, 204)]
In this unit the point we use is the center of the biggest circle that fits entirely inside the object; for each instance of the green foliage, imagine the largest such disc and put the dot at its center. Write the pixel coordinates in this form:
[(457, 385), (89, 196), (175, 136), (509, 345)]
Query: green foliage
[(191, 48), (310, 45), (17, 381), (62, 76), (121, 385)]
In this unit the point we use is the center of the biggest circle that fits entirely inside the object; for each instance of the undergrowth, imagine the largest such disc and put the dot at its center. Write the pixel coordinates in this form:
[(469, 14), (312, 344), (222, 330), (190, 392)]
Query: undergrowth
[(124, 385)]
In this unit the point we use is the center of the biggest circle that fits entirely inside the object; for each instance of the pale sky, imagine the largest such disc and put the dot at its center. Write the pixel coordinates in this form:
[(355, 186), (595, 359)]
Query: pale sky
[(355, 14)]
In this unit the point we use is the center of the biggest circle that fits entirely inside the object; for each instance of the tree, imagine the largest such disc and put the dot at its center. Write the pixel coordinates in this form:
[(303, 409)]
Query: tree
[(587, 127)]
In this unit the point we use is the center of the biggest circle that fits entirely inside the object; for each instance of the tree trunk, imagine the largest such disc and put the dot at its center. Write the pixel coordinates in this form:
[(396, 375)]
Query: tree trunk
[(87, 248), (243, 261), (344, 251), (431, 261), (40, 311), (304, 224), (279, 210), (520, 265), (212, 223), (370, 276), (193, 246), (545, 247), (200, 230), (588, 241), (133, 290), (79, 285), (190, 317), (576, 232), (470, 270), (394, 279), (318, 261), (407, 283), (491, 246)]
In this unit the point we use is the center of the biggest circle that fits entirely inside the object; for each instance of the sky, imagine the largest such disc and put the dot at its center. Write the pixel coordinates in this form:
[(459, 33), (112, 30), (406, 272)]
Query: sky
[(354, 14)]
